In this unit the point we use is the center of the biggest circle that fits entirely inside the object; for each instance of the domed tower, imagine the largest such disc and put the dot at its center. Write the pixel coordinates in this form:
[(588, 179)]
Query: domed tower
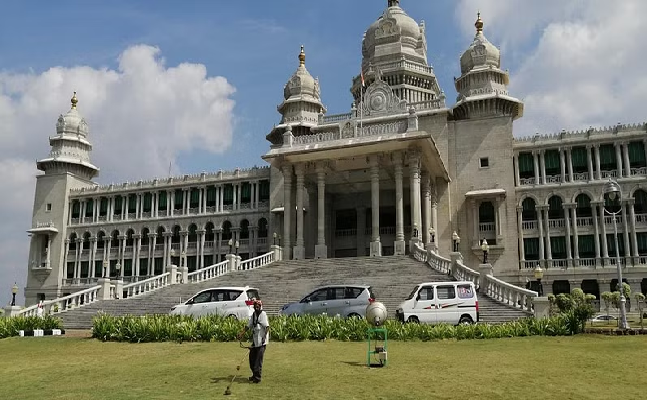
[(301, 104), (394, 49), (483, 86), (66, 167), (70, 147)]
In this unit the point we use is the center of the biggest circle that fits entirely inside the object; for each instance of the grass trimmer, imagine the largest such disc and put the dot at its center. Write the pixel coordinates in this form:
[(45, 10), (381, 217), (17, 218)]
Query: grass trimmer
[(228, 390)]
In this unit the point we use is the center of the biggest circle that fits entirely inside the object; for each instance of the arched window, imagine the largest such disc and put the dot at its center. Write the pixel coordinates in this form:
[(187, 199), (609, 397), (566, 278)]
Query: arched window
[(176, 234), (583, 202), (640, 204), (100, 237), (555, 209), (262, 227), (226, 230), (528, 213), (244, 229), (144, 239), (208, 235), (129, 237), (114, 242), (193, 236), (86, 241)]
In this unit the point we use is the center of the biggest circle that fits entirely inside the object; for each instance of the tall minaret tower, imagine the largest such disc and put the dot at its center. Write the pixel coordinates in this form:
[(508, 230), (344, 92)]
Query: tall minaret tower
[(67, 167)]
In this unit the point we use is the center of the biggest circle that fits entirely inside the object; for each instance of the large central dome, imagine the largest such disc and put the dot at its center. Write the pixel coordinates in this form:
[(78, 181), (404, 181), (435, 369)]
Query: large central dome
[(394, 34)]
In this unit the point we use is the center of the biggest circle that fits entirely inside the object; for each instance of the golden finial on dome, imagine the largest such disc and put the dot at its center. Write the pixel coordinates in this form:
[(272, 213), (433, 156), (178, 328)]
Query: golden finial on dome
[(74, 101), (302, 57), (479, 23)]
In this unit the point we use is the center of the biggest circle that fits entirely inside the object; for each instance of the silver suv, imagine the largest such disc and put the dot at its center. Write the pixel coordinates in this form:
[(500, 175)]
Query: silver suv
[(344, 300)]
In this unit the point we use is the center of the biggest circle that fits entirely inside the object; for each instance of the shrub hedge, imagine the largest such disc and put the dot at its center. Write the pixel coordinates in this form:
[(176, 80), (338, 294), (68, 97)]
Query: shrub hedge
[(160, 328), (10, 326)]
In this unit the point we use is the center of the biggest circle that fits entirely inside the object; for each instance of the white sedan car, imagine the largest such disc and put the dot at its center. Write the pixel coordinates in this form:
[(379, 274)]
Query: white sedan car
[(235, 302), (344, 300)]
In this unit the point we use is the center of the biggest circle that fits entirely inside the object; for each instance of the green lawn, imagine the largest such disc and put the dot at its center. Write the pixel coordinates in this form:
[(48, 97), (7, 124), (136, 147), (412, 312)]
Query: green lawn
[(580, 367)]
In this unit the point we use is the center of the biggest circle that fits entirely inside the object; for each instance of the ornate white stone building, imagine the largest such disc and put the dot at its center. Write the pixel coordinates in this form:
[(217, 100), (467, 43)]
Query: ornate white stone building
[(401, 167)]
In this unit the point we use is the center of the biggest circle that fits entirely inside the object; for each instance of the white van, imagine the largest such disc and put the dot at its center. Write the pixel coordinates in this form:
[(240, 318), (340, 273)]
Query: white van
[(441, 302), (235, 302)]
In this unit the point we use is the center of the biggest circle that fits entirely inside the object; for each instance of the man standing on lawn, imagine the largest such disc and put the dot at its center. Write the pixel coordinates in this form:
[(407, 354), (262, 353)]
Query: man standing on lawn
[(260, 326)]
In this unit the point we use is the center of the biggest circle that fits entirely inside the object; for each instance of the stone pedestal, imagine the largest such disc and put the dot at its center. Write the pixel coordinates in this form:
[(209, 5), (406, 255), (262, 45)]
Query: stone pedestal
[(299, 252), (104, 290), (231, 262), (431, 246), (455, 257), (119, 288), (277, 252), (542, 307), (321, 251), (399, 248), (238, 261), (486, 269), (172, 270), (184, 273), (412, 244), (376, 249), (11, 311)]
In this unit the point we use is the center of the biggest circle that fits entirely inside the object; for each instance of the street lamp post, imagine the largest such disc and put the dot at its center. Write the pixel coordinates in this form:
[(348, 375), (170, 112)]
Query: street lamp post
[(486, 249), (279, 240), (118, 269), (236, 245), (612, 199), (183, 259), (14, 291), (231, 244), (456, 240), (539, 273), (274, 238)]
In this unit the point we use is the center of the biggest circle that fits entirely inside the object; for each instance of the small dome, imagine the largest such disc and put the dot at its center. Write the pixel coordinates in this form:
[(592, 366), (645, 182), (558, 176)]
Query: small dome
[(302, 83), (72, 123), (481, 52), (393, 22)]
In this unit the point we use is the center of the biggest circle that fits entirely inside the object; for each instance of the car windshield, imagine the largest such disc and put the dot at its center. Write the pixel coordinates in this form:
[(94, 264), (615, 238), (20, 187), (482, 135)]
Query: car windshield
[(413, 293)]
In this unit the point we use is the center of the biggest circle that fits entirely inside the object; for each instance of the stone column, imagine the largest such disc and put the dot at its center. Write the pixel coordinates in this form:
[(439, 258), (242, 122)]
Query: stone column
[(414, 171), (605, 250), (434, 215), (625, 156), (152, 238), (257, 195), (93, 254), (517, 177), (540, 226), (201, 236), (321, 250), (549, 251), (562, 164), (625, 232), (634, 236), (287, 211), (77, 262), (498, 204), (138, 205), (576, 240), (569, 163), (476, 240), (522, 255), (596, 233), (136, 255), (299, 249), (567, 226), (426, 209), (399, 245), (376, 246), (618, 159), (122, 250), (535, 157), (48, 259), (589, 159), (596, 148), (542, 165)]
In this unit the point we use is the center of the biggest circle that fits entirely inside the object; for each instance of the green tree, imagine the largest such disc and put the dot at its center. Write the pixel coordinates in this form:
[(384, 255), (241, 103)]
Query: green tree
[(607, 298), (577, 307)]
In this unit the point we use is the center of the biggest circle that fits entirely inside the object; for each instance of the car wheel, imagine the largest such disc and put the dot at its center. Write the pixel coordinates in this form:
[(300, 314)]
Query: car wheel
[(354, 315), (232, 316), (413, 319), (465, 320)]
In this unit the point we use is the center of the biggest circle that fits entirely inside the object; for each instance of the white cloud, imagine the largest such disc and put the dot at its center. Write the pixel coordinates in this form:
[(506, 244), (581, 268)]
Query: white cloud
[(578, 63), (141, 116)]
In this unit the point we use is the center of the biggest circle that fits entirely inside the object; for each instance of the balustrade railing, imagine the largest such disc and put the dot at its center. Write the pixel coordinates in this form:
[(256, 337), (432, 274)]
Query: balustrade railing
[(146, 286), (419, 253), (487, 227), (257, 262), (580, 176), (209, 272), (464, 273), (556, 223), (508, 294), (61, 304), (553, 178), (345, 232), (529, 225), (585, 262), (639, 171), (439, 263), (526, 181), (584, 221), (609, 174)]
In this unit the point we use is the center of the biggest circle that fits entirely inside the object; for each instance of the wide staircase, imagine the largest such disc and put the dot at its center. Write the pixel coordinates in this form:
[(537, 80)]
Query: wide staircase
[(392, 279)]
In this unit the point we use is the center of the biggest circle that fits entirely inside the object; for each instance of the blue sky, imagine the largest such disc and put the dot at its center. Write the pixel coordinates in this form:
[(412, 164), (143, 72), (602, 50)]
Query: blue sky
[(196, 83)]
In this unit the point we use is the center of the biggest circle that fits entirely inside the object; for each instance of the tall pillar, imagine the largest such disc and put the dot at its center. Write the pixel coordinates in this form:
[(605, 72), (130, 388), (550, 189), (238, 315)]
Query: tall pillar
[(625, 156), (596, 149), (426, 208), (299, 248), (625, 232), (499, 203), (567, 226), (414, 172), (634, 236), (201, 236), (476, 239), (152, 238), (138, 205), (517, 176), (93, 254), (618, 159), (434, 215), (549, 251), (596, 234), (522, 255), (605, 250), (576, 240), (589, 159), (287, 211), (535, 158), (399, 246), (542, 165), (569, 163), (376, 246), (136, 256), (540, 226), (562, 164), (321, 250)]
